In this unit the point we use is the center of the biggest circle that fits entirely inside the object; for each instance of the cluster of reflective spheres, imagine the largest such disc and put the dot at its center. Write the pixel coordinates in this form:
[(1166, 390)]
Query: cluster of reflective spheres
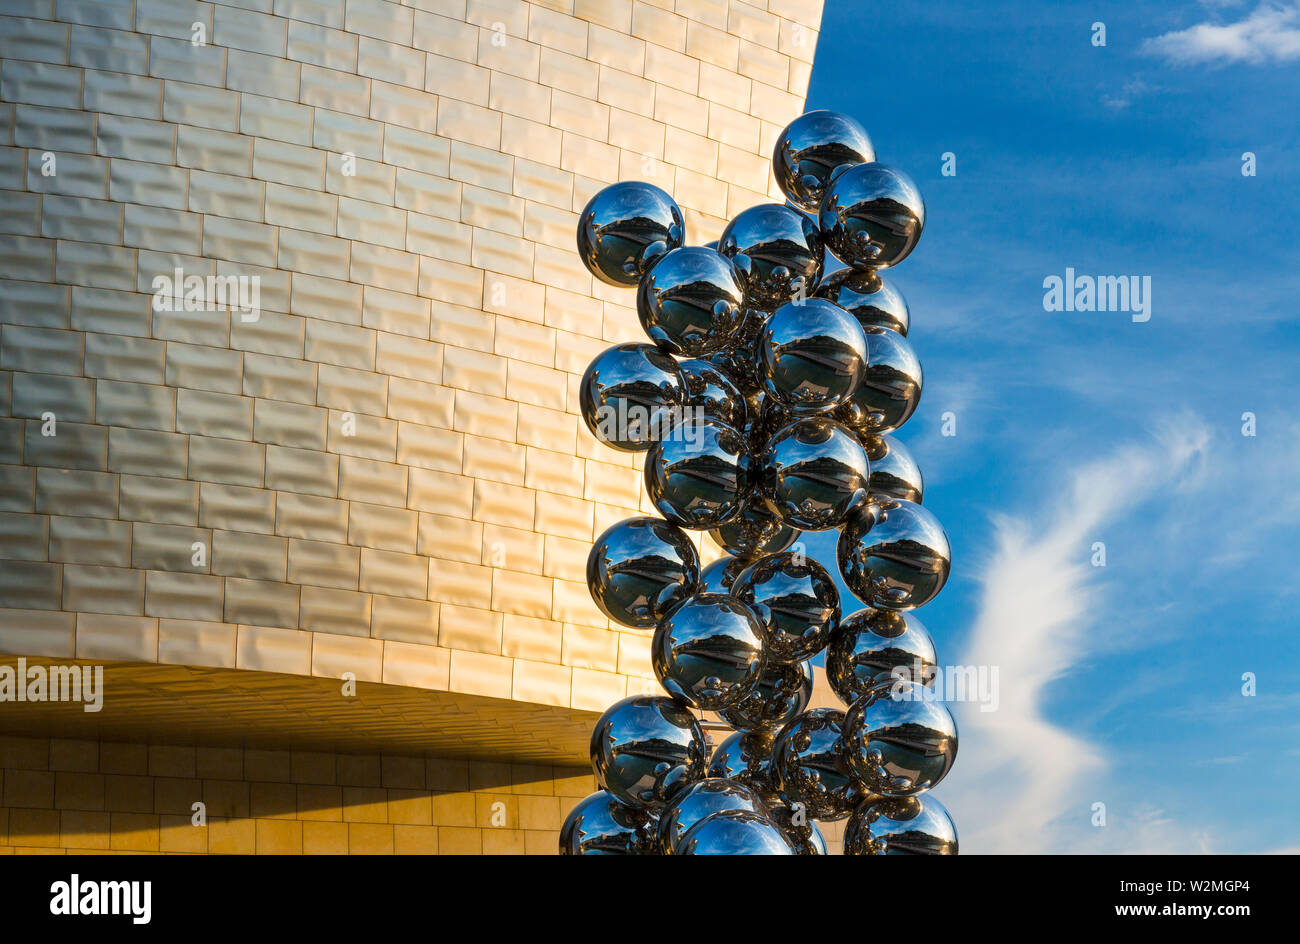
[(765, 403)]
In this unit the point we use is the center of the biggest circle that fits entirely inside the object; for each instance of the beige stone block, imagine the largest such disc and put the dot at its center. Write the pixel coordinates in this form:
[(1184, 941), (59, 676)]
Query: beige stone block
[(589, 647), (477, 673), (538, 640), (38, 633), (416, 666), (573, 604), (596, 691), (448, 538), (196, 642), (469, 629), (441, 493), (269, 649), (542, 683), (520, 593), (403, 619), (513, 548), (333, 656), (117, 638), (460, 583)]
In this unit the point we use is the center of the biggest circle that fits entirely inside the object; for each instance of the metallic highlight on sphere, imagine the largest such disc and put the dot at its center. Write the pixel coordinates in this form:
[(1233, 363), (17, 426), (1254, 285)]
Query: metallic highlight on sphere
[(691, 301), (746, 758), (810, 151), (894, 554), (630, 394), (702, 799), (718, 576), (894, 473), (783, 691), (869, 646), (734, 832), (809, 766), (872, 216), (698, 476), (796, 600), (708, 652), (899, 740), (778, 252), (814, 356), (813, 473), (711, 392), (867, 296), (906, 826), (890, 389), (624, 228), (646, 748), (739, 359), (755, 532), (601, 825), (640, 568), (807, 839)]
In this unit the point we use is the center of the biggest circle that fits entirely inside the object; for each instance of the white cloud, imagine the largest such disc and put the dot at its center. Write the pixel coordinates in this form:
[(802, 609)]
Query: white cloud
[(1271, 33), (1020, 779)]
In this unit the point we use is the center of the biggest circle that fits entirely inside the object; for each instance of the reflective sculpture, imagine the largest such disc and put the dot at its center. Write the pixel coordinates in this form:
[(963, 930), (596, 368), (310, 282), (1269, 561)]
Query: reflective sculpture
[(708, 652), (641, 568), (691, 301), (765, 404), (907, 826)]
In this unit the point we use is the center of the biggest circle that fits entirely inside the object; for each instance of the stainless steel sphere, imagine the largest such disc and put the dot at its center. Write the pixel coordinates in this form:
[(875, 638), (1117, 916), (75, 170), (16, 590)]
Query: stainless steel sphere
[(867, 296), (778, 252), (718, 576), (872, 216), (899, 740), (813, 473), (814, 356), (646, 748), (894, 554), (890, 388), (699, 474), (708, 652), (906, 826), (710, 393), (783, 691), (625, 228), (691, 301), (734, 832), (796, 600), (640, 568), (806, 837), (740, 359), (894, 473), (693, 804), (810, 151), (809, 767), (869, 646), (601, 825), (755, 532), (746, 757), (630, 394)]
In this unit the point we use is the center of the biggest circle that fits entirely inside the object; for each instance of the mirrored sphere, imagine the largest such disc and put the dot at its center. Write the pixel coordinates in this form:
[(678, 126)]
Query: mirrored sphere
[(872, 216), (708, 652), (747, 758), (646, 748), (807, 838), (906, 826), (813, 472), (869, 646), (702, 799), (630, 395), (691, 301), (812, 148), (734, 832), (710, 393), (894, 554), (739, 359), (783, 691), (718, 576), (809, 766), (698, 475), (778, 252), (899, 740), (814, 356), (601, 825), (867, 296), (640, 568), (894, 473), (796, 600), (754, 532), (624, 228), (890, 388)]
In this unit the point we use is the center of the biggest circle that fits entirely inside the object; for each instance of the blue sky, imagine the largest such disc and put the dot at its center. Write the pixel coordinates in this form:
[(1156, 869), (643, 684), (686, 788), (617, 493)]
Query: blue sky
[(1120, 684)]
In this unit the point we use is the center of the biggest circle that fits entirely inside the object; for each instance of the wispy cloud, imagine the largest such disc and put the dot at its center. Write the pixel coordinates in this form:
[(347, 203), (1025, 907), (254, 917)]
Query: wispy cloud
[(1021, 776), (1270, 33)]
